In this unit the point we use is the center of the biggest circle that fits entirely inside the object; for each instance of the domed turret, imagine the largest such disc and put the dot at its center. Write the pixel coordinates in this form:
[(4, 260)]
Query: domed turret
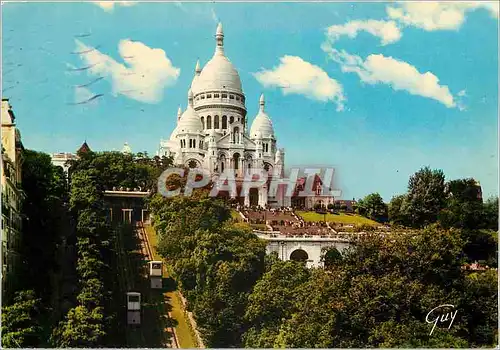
[(173, 136), (197, 72), (190, 121), (219, 73), (262, 124), (126, 149)]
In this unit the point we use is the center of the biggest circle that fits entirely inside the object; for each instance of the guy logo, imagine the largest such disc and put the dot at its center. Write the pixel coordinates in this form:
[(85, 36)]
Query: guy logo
[(444, 316)]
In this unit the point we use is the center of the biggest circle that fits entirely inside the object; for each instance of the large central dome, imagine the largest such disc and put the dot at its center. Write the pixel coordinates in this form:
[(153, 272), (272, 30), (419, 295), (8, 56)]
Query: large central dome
[(219, 73)]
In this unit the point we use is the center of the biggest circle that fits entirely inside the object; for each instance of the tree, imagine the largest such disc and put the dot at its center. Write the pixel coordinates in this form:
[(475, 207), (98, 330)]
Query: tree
[(20, 327), (379, 293), (490, 214), (373, 207), (273, 299), (426, 197), (81, 328), (397, 210)]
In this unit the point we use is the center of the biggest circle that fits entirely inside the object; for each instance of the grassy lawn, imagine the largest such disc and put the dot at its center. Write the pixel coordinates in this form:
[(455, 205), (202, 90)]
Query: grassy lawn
[(185, 335), (340, 218)]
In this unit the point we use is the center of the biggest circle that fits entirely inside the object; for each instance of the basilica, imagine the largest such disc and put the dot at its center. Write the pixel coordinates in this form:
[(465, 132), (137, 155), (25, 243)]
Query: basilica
[(212, 133)]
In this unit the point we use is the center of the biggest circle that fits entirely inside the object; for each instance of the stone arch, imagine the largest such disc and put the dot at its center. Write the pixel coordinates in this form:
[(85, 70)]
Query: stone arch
[(331, 256), (248, 161), (268, 167), (299, 255), (236, 160), (222, 161)]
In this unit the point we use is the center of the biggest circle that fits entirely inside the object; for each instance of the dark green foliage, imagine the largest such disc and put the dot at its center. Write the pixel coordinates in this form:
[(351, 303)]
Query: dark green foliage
[(426, 197), (373, 207), (20, 328), (272, 300), (216, 264), (397, 210), (379, 293)]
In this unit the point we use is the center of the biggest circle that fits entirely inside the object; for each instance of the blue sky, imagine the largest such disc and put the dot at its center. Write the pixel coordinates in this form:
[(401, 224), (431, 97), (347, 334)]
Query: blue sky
[(395, 86)]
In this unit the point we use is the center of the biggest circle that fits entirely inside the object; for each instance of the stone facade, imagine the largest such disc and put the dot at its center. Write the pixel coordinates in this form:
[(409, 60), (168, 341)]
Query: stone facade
[(12, 194)]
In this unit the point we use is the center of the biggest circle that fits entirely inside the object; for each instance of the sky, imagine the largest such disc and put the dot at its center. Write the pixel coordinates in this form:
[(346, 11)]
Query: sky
[(377, 90)]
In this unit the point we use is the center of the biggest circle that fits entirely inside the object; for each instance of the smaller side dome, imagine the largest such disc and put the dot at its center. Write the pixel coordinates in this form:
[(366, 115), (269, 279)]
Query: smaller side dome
[(190, 121), (262, 124)]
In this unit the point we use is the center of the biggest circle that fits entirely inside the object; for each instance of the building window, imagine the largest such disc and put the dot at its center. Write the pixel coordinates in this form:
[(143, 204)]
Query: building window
[(203, 122), (236, 160), (224, 122), (224, 95), (231, 97), (209, 95), (216, 95), (237, 98), (231, 120), (209, 122), (192, 164), (202, 97), (216, 122)]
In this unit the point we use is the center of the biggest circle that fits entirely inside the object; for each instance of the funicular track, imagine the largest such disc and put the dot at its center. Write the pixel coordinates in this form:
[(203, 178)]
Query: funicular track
[(149, 256)]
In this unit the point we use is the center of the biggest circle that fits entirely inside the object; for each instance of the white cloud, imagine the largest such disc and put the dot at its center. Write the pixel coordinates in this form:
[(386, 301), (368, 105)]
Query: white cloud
[(296, 76), (431, 15), (400, 75), (143, 75), (108, 6), (387, 31)]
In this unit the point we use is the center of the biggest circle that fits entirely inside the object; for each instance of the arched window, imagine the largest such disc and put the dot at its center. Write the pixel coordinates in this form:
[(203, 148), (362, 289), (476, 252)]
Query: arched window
[(209, 122), (216, 122), (236, 160), (224, 122), (203, 122), (194, 143), (222, 162), (231, 120)]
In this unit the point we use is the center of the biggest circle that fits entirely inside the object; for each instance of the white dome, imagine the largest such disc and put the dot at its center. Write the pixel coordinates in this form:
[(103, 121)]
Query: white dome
[(174, 133), (190, 121), (219, 73), (262, 124), (126, 149)]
